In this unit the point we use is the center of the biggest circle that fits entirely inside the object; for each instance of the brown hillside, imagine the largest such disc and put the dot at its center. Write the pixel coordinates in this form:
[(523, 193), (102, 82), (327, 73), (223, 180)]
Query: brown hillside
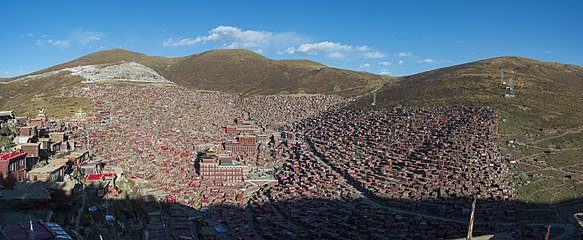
[(246, 72), (549, 93), (242, 71), (115, 56)]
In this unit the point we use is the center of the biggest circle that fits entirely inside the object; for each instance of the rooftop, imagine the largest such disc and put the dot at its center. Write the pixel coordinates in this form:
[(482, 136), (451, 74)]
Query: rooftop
[(30, 144), (78, 153), (46, 169), (10, 156), (6, 113), (228, 162), (65, 185), (100, 177)]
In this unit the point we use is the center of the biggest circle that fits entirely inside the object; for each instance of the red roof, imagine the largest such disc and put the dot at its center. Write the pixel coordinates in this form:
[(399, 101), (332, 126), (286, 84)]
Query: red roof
[(10, 156), (99, 177)]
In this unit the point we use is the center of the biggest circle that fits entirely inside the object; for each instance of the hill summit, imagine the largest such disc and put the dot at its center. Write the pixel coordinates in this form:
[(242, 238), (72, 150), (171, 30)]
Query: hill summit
[(240, 71)]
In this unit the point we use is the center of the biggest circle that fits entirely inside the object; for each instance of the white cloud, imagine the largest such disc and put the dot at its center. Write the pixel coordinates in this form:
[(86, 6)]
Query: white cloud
[(369, 55), (28, 35), (548, 51), (315, 48), (333, 50), (386, 64), (404, 54), (401, 62), (335, 55), (280, 43), (171, 42), (289, 50), (384, 71), (366, 65), (427, 61), (233, 37), (54, 43), (363, 48), (85, 38), (76, 38)]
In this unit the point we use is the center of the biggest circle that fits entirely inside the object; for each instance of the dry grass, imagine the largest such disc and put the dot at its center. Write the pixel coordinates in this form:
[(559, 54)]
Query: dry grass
[(243, 72), (26, 98)]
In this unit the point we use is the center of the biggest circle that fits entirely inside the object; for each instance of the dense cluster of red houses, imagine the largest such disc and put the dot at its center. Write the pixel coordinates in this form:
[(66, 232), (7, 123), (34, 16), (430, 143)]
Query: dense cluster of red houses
[(438, 158), (333, 173), (313, 200), (157, 143)]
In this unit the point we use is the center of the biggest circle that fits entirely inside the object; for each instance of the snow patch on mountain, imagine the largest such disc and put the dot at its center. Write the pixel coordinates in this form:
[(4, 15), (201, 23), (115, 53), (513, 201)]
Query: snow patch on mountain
[(125, 71), (131, 71)]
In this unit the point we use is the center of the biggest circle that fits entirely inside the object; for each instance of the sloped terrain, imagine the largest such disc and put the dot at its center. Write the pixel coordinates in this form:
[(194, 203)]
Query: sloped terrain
[(245, 72), (124, 71), (539, 127), (238, 71), (550, 93)]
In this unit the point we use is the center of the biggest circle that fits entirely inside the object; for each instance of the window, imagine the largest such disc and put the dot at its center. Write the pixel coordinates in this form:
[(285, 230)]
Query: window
[(11, 167)]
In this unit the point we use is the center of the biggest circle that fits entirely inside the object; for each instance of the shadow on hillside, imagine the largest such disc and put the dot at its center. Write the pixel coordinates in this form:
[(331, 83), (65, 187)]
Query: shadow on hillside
[(320, 219)]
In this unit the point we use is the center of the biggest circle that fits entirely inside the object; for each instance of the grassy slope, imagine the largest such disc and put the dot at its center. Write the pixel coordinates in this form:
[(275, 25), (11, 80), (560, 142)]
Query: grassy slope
[(242, 71), (547, 95), (115, 56), (245, 72), (26, 98)]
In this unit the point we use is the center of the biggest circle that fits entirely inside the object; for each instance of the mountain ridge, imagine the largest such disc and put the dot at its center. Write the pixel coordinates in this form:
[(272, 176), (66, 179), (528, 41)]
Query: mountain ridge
[(240, 71)]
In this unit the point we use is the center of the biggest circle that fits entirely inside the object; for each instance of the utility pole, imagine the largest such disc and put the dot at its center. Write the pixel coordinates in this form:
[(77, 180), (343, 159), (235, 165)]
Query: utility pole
[(471, 225)]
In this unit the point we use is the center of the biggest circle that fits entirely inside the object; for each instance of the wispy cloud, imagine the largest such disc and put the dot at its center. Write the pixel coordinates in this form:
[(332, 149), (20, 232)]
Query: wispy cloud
[(401, 62), (363, 48), (363, 66), (85, 38), (334, 50), (59, 43), (385, 63), (315, 48), (233, 37), (427, 61), (369, 55), (404, 54), (384, 71), (54, 43), (335, 55), (172, 42), (78, 37), (28, 35)]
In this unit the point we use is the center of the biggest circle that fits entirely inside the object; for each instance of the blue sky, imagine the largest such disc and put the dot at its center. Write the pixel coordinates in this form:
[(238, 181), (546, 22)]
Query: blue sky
[(385, 37)]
